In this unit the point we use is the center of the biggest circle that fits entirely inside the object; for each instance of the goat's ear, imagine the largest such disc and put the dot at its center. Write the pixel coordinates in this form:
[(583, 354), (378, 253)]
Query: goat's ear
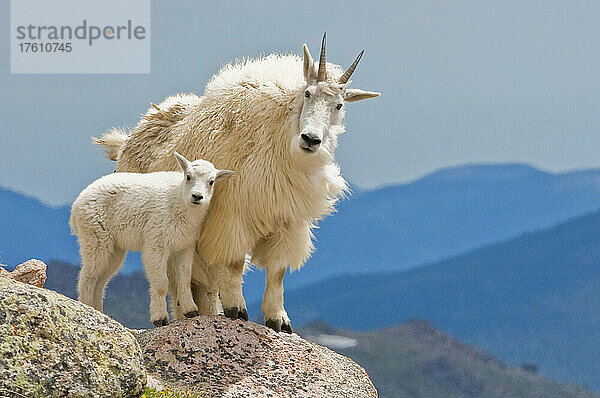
[(310, 74), (224, 174), (183, 162), (356, 94)]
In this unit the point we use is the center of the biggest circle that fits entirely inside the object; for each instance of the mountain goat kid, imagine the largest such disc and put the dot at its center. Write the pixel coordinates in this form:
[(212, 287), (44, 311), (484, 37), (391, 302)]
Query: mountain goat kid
[(160, 214)]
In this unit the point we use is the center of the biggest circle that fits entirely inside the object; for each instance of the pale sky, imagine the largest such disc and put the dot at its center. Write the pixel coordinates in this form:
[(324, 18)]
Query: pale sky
[(462, 81)]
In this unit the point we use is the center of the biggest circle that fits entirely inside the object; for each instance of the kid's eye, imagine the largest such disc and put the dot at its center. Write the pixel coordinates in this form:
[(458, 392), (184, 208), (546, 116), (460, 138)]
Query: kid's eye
[(211, 182), (188, 177), (338, 106), (307, 94)]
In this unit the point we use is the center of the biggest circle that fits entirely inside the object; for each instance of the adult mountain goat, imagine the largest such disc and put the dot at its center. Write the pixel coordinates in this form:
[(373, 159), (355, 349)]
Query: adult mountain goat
[(276, 122)]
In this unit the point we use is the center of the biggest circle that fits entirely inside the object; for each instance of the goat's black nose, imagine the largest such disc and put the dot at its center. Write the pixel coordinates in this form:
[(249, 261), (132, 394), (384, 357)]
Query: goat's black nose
[(311, 139), (197, 197)]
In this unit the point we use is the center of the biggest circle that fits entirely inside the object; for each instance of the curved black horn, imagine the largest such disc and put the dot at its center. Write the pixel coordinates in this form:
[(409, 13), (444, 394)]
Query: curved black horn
[(346, 76), (322, 74)]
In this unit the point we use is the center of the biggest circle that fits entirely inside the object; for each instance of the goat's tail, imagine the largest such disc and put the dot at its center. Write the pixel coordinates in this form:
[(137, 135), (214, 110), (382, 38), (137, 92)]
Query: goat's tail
[(112, 141)]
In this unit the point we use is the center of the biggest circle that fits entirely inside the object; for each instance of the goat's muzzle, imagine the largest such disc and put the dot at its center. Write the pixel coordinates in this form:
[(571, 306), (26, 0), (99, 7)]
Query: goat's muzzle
[(309, 142)]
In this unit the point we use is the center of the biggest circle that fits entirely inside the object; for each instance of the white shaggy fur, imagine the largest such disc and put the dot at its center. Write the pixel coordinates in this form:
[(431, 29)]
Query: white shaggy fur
[(252, 118), (159, 214)]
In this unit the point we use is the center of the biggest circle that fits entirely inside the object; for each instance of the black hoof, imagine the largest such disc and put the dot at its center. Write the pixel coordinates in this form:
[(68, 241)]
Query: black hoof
[(231, 313), (273, 324), (191, 314), (286, 327), (234, 313), (161, 322)]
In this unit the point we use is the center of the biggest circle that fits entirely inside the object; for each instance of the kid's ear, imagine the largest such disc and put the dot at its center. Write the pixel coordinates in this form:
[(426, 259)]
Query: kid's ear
[(183, 162), (224, 173)]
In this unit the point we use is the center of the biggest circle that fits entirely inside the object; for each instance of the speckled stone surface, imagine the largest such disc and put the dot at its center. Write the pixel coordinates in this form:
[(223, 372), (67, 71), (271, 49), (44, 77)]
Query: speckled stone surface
[(52, 346), (233, 358), (32, 272)]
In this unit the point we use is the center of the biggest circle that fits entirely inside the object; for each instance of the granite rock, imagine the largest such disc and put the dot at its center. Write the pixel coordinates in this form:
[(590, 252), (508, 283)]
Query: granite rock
[(53, 346), (221, 357), (32, 272)]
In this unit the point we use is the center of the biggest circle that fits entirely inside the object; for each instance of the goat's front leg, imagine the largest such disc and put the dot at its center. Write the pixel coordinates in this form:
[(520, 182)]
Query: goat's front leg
[(155, 265), (292, 246), (182, 272), (230, 291), (276, 317)]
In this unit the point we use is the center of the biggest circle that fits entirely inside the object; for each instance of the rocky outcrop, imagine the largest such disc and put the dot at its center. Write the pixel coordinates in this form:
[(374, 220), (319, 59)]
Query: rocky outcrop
[(32, 272), (51, 345), (232, 358)]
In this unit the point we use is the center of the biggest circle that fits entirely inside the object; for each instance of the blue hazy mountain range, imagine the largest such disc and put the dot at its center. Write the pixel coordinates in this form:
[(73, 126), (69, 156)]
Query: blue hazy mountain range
[(392, 228), (443, 214), (32, 229), (531, 299)]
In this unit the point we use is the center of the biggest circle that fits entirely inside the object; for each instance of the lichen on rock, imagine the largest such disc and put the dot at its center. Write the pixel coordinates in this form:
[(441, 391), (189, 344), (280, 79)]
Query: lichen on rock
[(51, 345), (232, 358)]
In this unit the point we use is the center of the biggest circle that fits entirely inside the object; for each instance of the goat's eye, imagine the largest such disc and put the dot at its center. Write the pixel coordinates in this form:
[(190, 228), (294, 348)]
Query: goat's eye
[(211, 182), (338, 106), (188, 177), (307, 94)]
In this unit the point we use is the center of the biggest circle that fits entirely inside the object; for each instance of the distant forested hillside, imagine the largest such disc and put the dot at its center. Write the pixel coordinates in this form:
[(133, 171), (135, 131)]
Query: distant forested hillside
[(534, 298), (416, 360)]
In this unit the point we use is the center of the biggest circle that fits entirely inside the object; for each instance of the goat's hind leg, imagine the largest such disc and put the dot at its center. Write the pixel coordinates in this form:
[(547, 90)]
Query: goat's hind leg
[(207, 300), (155, 265), (95, 265), (115, 260), (205, 287)]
